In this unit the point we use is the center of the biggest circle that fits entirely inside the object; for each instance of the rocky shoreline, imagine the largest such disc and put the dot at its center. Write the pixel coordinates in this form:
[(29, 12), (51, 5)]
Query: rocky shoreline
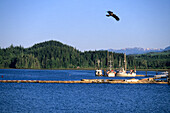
[(113, 81)]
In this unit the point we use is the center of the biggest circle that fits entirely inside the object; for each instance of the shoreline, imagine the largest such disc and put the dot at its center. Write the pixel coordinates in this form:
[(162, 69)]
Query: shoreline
[(86, 81), (87, 69)]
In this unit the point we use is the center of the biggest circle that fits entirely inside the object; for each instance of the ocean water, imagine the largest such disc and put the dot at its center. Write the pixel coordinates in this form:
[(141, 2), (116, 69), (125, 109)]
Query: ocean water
[(29, 74), (78, 98)]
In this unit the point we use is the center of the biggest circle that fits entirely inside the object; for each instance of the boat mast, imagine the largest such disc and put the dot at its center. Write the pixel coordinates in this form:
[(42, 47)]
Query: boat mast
[(110, 64), (112, 61), (119, 62), (107, 60), (125, 61), (98, 64)]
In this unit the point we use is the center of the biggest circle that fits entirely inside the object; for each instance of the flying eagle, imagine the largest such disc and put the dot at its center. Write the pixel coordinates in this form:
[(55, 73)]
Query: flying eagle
[(113, 15)]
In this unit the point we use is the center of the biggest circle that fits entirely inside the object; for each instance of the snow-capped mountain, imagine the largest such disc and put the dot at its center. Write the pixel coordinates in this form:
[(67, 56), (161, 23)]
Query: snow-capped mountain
[(138, 50)]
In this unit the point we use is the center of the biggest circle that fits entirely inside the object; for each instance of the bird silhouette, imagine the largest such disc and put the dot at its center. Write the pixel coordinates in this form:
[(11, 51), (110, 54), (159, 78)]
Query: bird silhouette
[(113, 15)]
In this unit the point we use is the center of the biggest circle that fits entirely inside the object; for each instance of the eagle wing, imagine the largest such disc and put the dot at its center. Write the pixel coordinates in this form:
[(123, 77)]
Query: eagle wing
[(113, 15), (110, 12), (116, 17)]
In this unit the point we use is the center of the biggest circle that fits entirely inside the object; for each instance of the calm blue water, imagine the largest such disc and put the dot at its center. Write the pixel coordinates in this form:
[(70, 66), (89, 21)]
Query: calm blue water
[(28, 74), (113, 98)]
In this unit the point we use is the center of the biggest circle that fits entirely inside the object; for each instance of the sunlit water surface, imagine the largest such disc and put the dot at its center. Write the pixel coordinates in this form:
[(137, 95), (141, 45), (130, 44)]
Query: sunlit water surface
[(46, 97)]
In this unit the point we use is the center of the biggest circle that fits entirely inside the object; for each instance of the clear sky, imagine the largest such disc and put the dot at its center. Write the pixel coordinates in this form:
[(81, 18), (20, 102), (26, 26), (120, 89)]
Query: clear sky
[(83, 23)]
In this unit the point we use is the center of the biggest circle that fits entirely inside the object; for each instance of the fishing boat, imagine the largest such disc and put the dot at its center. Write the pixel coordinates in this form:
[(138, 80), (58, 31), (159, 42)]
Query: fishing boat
[(165, 73), (162, 75), (98, 71), (111, 72), (122, 72)]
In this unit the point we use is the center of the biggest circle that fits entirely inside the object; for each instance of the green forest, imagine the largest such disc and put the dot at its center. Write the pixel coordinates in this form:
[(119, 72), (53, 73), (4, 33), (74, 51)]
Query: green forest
[(55, 55)]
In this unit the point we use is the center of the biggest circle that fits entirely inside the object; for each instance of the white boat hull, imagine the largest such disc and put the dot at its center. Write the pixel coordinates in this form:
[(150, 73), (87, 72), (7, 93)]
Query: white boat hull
[(98, 73), (111, 75), (160, 76), (126, 74)]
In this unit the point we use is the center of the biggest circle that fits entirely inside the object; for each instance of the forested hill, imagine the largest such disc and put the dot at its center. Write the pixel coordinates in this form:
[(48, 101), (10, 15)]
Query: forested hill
[(50, 44), (55, 55), (153, 60)]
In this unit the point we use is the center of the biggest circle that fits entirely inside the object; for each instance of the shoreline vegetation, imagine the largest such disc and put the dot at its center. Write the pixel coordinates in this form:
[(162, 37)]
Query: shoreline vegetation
[(55, 55), (88, 69)]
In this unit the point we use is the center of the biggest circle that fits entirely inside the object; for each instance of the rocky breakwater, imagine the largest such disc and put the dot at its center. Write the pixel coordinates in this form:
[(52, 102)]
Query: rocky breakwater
[(111, 81)]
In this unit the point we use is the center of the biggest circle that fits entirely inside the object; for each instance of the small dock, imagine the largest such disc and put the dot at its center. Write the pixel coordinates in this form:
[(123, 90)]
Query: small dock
[(87, 81)]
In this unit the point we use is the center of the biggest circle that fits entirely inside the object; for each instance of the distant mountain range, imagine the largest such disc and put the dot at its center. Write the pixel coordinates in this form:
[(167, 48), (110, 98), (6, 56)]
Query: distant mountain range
[(138, 50), (56, 55)]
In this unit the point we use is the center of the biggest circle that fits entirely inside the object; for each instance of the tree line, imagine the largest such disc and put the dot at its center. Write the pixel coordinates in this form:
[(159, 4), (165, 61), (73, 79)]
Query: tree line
[(55, 55)]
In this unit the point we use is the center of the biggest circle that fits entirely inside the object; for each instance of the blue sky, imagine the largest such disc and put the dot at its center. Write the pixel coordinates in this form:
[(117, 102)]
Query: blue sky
[(83, 24)]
